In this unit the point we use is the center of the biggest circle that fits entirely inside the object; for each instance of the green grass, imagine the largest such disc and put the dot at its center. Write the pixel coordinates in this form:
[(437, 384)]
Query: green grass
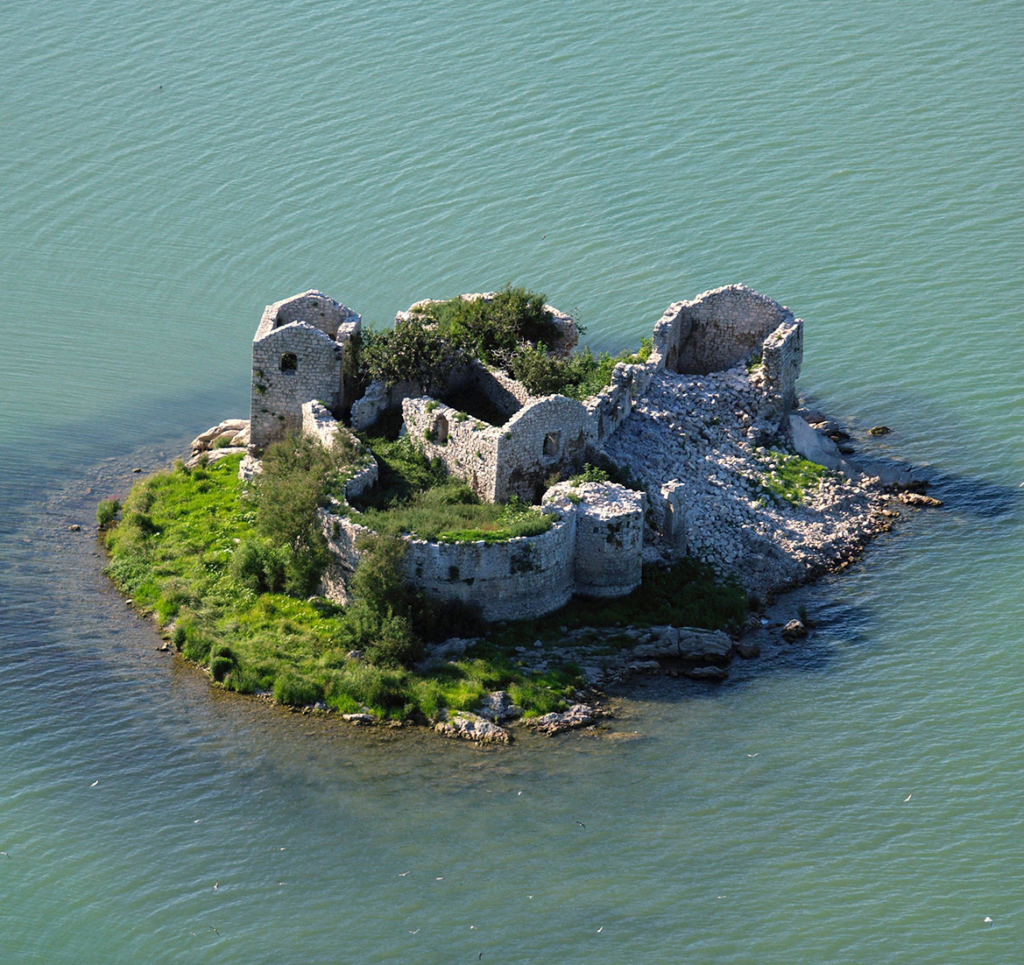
[(790, 477), (171, 552), (579, 376), (414, 495)]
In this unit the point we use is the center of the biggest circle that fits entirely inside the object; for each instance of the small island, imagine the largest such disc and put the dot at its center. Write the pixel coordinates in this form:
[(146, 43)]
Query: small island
[(464, 520)]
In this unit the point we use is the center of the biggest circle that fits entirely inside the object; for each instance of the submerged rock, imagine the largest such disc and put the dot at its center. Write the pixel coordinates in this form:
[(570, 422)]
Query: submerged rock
[(794, 630), (714, 674), (917, 499), (578, 715)]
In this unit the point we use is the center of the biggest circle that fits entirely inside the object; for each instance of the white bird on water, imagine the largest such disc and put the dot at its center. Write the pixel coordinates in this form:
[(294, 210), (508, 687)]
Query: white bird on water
[(987, 921)]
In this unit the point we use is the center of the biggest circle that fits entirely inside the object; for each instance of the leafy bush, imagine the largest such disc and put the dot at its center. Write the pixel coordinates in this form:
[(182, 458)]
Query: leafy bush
[(412, 351), (298, 473), (492, 330), (296, 690), (590, 474), (579, 376), (259, 566), (106, 512)]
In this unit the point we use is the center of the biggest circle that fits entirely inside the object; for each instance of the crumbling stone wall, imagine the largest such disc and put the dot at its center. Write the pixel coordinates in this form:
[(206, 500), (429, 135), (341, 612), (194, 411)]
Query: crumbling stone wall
[(547, 435), (519, 579), (298, 354), (341, 534), (717, 329), (782, 355), (612, 405), (609, 536), (468, 447), (320, 424), (502, 391)]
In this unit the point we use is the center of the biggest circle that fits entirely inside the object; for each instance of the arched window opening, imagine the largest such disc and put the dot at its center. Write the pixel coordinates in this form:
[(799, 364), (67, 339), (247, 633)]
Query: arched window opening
[(289, 362)]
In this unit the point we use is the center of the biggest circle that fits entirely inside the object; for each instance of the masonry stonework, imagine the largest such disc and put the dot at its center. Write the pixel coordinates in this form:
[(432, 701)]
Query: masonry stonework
[(303, 370), (298, 354)]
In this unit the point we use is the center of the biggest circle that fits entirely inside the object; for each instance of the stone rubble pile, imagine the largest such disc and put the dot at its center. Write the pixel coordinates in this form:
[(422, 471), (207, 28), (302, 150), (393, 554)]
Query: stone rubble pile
[(466, 726), (707, 433)]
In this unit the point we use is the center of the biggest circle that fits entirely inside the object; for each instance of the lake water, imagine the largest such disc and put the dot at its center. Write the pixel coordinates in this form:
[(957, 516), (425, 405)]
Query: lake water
[(167, 170)]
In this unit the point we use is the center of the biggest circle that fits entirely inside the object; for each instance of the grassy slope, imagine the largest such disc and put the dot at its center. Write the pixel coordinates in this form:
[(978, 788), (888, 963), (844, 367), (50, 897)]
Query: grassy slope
[(171, 552)]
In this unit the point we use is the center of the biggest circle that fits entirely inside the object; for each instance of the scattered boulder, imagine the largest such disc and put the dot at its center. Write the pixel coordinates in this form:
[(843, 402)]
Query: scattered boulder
[(813, 445), (704, 644), (465, 726), (748, 651), (917, 499), (359, 718), (578, 715), (499, 707), (229, 428), (879, 430), (452, 647), (794, 630)]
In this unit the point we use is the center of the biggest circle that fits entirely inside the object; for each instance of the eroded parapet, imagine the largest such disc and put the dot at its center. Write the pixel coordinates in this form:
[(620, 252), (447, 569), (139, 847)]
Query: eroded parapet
[(782, 355), (613, 404), (609, 536), (668, 514), (342, 535), (298, 354), (318, 423), (717, 329), (521, 578)]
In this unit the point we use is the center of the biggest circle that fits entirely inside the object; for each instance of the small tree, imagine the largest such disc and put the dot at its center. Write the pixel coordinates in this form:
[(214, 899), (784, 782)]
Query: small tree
[(412, 351), (297, 475)]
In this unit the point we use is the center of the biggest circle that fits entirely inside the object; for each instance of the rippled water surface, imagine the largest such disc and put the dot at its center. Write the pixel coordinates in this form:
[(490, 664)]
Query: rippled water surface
[(169, 169)]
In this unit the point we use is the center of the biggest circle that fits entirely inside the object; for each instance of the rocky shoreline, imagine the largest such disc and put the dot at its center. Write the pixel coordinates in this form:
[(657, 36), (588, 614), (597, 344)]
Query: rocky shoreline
[(697, 431)]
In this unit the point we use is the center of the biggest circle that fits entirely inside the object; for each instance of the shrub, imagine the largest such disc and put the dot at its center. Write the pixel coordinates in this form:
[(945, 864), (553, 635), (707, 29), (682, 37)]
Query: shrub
[(393, 643), (412, 351), (492, 330), (259, 566), (296, 690), (579, 376), (297, 475), (590, 474), (220, 667), (106, 512)]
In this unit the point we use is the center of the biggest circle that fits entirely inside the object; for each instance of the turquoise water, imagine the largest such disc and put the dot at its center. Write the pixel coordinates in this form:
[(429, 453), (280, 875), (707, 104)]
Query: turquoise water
[(168, 170)]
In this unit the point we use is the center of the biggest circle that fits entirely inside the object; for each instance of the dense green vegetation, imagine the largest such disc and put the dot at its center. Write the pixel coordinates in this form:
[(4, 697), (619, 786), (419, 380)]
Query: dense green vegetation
[(578, 376), (790, 477), (513, 331), (201, 553), (493, 330), (184, 550), (415, 495)]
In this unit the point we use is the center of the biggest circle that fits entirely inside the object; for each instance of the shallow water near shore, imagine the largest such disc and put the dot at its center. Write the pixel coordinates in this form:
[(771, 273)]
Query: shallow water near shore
[(170, 170)]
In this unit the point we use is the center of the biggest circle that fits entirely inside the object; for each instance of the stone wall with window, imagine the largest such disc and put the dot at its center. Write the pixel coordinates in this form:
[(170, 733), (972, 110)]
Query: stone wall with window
[(298, 354)]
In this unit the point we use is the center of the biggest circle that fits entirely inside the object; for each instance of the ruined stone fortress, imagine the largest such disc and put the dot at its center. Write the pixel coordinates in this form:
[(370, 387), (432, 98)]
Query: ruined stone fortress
[(490, 431)]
